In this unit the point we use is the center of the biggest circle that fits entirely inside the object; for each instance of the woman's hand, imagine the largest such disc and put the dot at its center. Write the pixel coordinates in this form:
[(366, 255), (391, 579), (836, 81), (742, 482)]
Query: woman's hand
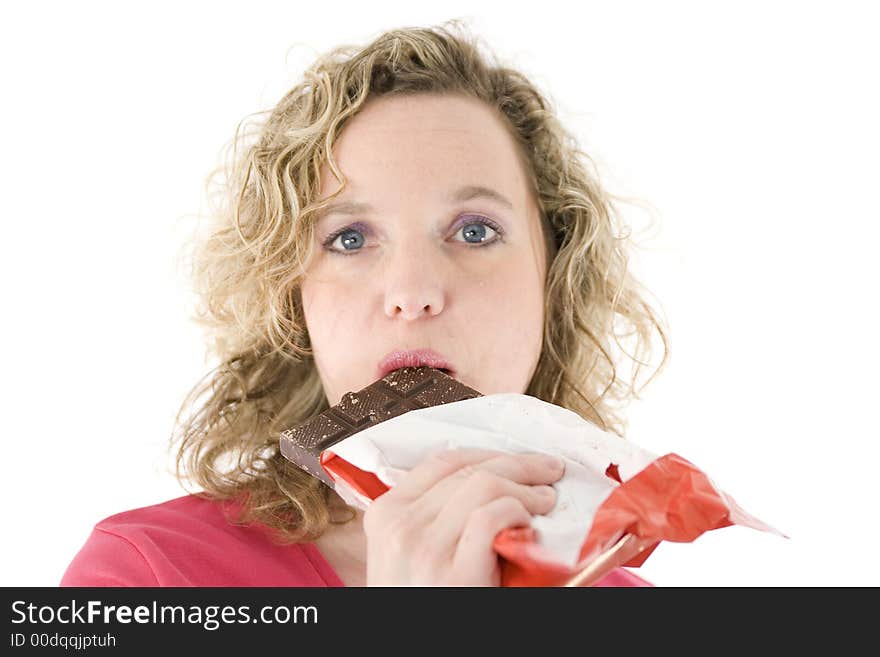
[(437, 526)]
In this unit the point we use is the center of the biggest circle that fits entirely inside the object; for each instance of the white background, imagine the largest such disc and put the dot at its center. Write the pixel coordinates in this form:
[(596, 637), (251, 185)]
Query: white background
[(750, 128)]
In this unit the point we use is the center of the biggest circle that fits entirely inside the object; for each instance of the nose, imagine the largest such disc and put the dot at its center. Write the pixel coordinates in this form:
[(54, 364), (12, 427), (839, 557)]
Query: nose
[(413, 284)]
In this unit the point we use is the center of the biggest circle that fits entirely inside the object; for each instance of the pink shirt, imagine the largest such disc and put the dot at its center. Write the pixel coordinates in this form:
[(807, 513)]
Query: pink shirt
[(188, 541)]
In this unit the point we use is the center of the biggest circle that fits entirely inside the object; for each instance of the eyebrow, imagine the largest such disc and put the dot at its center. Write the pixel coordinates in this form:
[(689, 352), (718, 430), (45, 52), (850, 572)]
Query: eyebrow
[(466, 193)]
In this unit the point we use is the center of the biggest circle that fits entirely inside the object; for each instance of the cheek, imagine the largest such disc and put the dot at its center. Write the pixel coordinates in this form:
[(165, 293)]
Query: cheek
[(507, 308), (333, 315), (513, 288), (328, 308)]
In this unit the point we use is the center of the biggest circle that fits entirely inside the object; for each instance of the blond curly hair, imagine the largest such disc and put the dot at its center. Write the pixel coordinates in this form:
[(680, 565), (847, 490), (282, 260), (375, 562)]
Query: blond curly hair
[(248, 267)]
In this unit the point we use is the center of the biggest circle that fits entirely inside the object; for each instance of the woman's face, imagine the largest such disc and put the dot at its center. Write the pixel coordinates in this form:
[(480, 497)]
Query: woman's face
[(445, 251)]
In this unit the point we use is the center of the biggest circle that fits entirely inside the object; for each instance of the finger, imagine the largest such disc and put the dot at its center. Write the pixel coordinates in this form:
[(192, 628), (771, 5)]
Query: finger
[(438, 466), (474, 486), (474, 552), (406, 496), (521, 468), (454, 511), (483, 481)]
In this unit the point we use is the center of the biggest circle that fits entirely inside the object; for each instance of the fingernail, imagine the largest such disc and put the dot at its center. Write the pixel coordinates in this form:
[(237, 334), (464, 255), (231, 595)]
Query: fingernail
[(547, 492), (554, 462)]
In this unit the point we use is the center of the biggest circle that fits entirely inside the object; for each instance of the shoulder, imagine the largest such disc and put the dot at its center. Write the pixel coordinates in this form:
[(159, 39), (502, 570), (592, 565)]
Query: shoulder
[(191, 541), (189, 511)]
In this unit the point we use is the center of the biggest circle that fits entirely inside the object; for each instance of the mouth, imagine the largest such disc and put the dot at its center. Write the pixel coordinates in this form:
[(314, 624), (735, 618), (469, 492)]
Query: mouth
[(413, 358)]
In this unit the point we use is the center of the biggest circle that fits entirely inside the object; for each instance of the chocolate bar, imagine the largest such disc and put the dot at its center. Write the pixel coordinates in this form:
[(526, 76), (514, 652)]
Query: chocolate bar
[(404, 389)]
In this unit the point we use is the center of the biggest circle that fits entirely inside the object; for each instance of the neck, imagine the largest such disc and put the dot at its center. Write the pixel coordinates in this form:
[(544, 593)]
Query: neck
[(344, 547)]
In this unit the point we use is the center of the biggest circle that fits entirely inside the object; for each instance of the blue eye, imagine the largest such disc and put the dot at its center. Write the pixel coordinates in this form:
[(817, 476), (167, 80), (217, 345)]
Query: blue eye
[(474, 232), (350, 239)]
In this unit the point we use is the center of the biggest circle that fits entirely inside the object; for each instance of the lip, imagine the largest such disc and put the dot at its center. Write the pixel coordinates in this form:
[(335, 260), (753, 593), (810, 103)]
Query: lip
[(412, 358)]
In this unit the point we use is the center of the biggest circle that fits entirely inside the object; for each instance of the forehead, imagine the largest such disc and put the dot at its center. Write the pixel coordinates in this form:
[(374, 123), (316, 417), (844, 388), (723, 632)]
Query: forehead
[(412, 142)]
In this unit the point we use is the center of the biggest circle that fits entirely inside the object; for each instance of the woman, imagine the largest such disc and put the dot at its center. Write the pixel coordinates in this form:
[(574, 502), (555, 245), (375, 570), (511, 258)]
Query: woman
[(407, 203)]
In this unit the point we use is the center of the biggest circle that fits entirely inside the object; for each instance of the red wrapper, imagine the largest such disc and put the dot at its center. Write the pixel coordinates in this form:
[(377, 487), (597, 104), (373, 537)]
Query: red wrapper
[(669, 500)]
